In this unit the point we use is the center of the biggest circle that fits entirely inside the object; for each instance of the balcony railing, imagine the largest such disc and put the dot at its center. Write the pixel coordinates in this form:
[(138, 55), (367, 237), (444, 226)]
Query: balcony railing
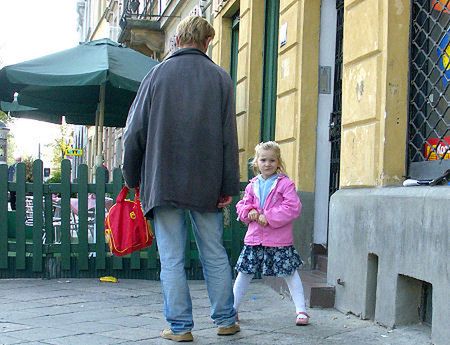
[(138, 9)]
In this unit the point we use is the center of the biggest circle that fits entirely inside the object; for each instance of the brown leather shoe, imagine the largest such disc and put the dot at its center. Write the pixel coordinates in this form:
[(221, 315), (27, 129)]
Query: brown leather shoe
[(168, 334), (229, 330)]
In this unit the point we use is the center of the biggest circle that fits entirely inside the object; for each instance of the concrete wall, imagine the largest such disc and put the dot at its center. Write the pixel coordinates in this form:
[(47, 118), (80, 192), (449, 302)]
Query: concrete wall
[(303, 235), (408, 230)]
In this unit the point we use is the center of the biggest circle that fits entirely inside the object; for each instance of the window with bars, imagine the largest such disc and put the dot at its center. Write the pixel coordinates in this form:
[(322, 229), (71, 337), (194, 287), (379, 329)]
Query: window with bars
[(429, 99)]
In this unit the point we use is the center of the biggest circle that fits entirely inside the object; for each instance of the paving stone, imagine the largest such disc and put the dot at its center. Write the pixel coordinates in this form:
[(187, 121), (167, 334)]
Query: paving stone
[(85, 311), (85, 339), (39, 333), (131, 334), (6, 340), (11, 326)]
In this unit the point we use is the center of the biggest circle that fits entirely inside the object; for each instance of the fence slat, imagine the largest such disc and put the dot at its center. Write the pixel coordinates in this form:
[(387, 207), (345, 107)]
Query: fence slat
[(38, 214), (152, 256), (83, 227), (3, 216), (61, 256), (100, 260), (238, 228), (117, 186), (20, 216), (135, 260), (65, 214), (48, 216)]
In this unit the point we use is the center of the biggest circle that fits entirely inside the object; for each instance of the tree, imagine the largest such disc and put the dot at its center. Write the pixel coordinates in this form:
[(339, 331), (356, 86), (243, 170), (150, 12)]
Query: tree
[(60, 145), (28, 160), (6, 119), (56, 177)]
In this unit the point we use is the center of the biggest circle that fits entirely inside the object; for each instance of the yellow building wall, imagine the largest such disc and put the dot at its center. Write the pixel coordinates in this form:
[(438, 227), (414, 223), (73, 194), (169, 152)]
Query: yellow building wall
[(297, 80), (297, 90), (249, 73), (374, 92)]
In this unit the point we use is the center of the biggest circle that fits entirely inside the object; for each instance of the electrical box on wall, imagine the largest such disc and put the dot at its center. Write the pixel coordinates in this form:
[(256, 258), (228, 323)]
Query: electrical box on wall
[(325, 79)]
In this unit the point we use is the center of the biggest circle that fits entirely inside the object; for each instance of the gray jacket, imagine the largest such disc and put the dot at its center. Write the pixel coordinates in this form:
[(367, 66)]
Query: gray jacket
[(180, 141)]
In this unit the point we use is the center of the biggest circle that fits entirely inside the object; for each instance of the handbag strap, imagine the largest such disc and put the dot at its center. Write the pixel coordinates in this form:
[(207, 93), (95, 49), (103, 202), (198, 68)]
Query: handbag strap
[(137, 196), (123, 194)]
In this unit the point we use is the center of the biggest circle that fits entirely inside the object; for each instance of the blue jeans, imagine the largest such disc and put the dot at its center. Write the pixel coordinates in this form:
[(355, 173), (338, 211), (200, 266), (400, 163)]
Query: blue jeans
[(171, 235)]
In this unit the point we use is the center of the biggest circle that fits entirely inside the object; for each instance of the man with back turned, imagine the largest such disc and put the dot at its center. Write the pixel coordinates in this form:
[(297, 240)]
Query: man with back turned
[(181, 148)]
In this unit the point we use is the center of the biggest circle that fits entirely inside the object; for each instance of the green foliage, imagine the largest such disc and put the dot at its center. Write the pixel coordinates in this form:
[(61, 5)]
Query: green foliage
[(28, 168), (56, 177), (11, 148), (60, 144), (6, 119)]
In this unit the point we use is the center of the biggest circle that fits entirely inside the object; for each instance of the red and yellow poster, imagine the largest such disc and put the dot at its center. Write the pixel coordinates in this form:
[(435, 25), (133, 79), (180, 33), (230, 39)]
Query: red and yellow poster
[(441, 5), (436, 149)]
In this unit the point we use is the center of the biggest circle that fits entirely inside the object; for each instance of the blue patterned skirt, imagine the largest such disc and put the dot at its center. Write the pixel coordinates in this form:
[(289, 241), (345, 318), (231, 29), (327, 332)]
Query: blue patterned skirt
[(269, 261)]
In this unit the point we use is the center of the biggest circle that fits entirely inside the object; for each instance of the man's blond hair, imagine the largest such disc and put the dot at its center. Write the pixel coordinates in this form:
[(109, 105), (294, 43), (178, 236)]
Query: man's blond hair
[(194, 30)]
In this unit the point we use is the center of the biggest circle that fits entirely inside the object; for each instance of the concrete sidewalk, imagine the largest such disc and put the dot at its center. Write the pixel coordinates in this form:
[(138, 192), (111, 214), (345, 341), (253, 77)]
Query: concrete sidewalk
[(86, 311)]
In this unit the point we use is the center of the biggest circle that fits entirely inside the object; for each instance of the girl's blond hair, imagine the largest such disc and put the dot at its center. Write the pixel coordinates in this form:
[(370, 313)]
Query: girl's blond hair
[(194, 30), (268, 145)]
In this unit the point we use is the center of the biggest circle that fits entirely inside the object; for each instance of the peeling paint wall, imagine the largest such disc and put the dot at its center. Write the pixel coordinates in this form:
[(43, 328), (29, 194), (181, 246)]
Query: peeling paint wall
[(374, 105)]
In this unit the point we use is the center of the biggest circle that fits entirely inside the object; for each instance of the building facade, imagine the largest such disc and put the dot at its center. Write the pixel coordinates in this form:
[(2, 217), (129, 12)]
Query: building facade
[(356, 93), (147, 26)]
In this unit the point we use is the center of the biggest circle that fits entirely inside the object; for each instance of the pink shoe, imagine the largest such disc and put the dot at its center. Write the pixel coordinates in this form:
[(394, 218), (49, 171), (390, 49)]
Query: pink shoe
[(301, 320)]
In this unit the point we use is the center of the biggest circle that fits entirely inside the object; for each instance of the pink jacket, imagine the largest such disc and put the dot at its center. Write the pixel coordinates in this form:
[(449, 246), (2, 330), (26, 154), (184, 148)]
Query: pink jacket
[(281, 208)]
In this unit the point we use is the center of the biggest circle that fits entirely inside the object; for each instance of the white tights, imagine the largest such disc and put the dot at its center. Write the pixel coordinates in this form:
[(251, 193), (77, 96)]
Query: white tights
[(293, 282)]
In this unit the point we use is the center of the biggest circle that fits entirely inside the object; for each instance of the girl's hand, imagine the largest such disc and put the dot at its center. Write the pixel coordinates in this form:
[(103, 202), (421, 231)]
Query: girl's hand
[(253, 215), (262, 220)]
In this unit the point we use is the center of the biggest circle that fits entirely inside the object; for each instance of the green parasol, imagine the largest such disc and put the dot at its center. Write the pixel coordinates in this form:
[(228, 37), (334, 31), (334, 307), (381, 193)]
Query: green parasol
[(91, 84)]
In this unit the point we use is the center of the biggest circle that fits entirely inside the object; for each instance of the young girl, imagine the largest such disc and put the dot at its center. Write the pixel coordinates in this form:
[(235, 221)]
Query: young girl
[(269, 207)]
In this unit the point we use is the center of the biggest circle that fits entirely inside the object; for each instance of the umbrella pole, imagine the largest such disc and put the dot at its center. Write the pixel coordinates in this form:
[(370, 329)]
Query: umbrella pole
[(94, 151), (101, 120)]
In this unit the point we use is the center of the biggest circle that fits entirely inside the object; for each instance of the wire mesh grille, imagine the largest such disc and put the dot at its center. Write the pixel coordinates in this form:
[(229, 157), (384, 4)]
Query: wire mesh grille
[(429, 103)]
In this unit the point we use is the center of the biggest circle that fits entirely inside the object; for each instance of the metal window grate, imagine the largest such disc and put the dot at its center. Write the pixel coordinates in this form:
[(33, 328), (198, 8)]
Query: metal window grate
[(429, 102), (336, 115)]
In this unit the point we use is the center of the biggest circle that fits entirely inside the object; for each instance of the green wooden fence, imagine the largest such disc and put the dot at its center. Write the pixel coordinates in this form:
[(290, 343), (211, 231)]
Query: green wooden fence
[(52, 243)]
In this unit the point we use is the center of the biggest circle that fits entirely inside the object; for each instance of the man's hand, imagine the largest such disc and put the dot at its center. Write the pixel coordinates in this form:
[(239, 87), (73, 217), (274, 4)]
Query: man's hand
[(224, 201), (253, 215)]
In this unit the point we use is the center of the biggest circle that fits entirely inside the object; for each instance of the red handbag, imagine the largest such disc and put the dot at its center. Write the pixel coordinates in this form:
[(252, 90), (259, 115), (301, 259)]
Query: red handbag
[(126, 228)]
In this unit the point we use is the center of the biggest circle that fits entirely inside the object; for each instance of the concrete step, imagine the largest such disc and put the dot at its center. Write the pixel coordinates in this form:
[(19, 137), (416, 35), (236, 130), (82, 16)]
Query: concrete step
[(317, 292), (321, 262)]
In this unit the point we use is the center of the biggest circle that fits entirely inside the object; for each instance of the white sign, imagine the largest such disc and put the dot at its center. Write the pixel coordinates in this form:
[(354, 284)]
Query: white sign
[(283, 34)]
